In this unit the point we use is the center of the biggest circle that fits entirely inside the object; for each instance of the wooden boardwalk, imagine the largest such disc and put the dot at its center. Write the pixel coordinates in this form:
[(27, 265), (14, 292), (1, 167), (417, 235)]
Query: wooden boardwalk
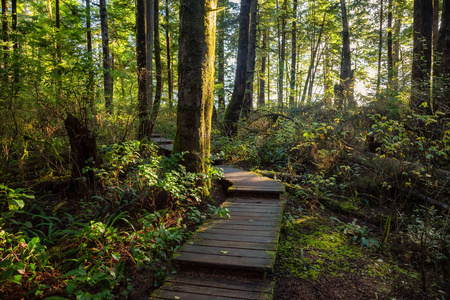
[(245, 243)]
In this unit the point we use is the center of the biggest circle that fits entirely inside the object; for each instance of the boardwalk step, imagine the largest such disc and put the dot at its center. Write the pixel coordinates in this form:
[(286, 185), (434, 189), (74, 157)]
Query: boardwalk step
[(161, 141), (216, 289)]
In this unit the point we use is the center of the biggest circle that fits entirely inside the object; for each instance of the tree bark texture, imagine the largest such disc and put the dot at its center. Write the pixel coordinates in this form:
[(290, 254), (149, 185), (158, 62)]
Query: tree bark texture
[(106, 55), (345, 89), (442, 67), (380, 48), (5, 37), (195, 82), (282, 56), (149, 28), (422, 49), (143, 105), (396, 47), (83, 153), (221, 57), (262, 81), (390, 59), (251, 59), (169, 58), (294, 56), (15, 63), (158, 68), (234, 107)]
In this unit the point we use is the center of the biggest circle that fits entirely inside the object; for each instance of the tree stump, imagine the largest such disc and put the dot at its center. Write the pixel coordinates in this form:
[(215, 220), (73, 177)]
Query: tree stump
[(83, 147)]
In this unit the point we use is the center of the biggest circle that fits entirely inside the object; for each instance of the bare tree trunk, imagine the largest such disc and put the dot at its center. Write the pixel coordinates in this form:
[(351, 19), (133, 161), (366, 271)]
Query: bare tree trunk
[(143, 106), (234, 107), (158, 66), (106, 56), (312, 62), (196, 82), (441, 93), (15, 62), (5, 36), (169, 58), (262, 81), (149, 24), (90, 79), (251, 57), (435, 23), (380, 46), (396, 48), (294, 56), (221, 57), (282, 54), (421, 68), (345, 89), (390, 59)]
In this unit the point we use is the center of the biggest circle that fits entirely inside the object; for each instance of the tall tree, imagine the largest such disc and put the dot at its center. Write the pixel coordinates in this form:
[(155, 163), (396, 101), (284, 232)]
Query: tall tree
[(158, 67), (345, 88), (143, 106), (422, 49), (169, 56), (442, 67), (396, 46), (294, 55), (90, 79), (221, 56), (251, 58), (15, 62), (282, 54), (262, 81), (149, 28), (380, 48), (390, 58), (195, 82), (106, 56), (234, 107), (5, 37)]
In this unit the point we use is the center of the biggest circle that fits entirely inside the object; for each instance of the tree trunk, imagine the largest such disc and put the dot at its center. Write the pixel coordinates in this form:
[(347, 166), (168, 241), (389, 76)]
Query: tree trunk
[(262, 81), (106, 56), (90, 79), (390, 59), (235, 105), (195, 82), (345, 89), (282, 55), (15, 62), (149, 27), (5, 36), (251, 57), (143, 105), (435, 25), (294, 56), (158, 66), (221, 57), (83, 153), (442, 67), (314, 51), (421, 67), (169, 58), (396, 48), (380, 47)]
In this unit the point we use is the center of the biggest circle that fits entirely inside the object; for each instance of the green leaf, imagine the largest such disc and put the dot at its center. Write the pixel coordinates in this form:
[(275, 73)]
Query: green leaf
[(115, 255), (71, 286)]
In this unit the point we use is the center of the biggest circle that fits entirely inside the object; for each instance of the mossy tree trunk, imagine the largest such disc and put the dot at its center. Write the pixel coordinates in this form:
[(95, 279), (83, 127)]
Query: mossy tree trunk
[(251, 59), (195, 82), (158, 68), (106, 56)]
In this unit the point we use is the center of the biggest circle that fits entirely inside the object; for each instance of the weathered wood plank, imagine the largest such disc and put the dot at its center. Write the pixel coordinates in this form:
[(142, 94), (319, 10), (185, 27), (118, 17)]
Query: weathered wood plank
[(220, 261), (241, 285), (226, 251), (255, 200), (161, 141), (163, 294), (234, 238), (239, 232), (239, 227), (242, 221), (213, 291), (268, 209), (234, 244)]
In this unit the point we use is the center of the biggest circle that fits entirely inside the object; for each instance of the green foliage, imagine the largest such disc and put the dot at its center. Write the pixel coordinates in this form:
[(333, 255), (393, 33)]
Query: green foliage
[(359, 233)]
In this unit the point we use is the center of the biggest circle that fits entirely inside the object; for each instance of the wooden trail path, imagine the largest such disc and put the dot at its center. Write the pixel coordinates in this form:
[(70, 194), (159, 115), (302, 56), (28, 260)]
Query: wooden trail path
[(243, 245)]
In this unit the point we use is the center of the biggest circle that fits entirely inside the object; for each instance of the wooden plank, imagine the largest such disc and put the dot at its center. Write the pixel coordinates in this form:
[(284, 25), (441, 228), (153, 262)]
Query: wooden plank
[(250, 214), (213, 291), (270, 203), (166, 147), (254, 200), (163, 294), (244, 222), (239, 227), (235, 238), (240, 232), (160, 141), (255, 286), (258, 218), (226, 251), (262, 210), (234, 244), (219, 261)]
